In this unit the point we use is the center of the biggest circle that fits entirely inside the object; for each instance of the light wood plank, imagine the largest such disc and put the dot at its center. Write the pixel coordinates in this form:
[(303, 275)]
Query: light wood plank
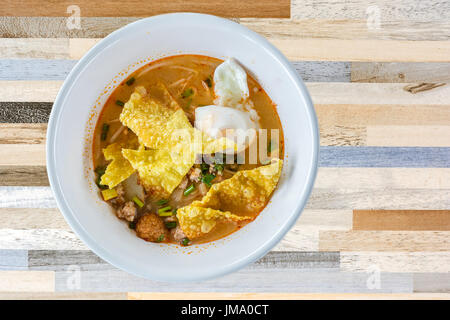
[(412, 220), (296, 49), (32, 218), (63, 296), (396, 261), (432, 282), (283, 296), (400, 72), (322, 93), (384, 241), (409, 136), (135, 8), (40, 239), (245, 280), (26, 197), (27, 281), (19, 155), (14, 133)]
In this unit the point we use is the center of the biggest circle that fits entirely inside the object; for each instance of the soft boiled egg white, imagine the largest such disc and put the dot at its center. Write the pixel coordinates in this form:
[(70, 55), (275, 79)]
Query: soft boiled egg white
[(233, 114)]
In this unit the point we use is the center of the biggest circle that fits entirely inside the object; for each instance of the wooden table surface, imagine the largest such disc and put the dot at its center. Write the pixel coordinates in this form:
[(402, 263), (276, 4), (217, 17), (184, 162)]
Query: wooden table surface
[(378, 222)]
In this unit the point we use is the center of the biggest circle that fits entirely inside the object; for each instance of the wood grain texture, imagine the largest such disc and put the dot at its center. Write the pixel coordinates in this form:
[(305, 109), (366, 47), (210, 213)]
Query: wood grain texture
[(282, 296), (23, 176), (432, 282), (25, 112), (400, 72), (296, 49), (12, 133), (411, 136), (396, 261), (13, 259), (27, 281), (40, 239), (245, 280), (134, 8), (384, 241), (412, 220), (32, 218)]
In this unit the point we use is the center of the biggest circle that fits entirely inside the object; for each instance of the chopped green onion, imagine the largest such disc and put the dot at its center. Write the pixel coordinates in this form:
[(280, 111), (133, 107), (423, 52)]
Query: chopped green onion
[(165, 212), (160, 238), (218, 166), (204, 167), (188, 104), (162, 202), (105, 129), (100, 170), (132, 225), (189, 190), (187, 93), (207, 178), (171, 225), (130, 81), (138, 201), (271, 146), (209, 81), (120, 103), (174, 211), (185, 241)]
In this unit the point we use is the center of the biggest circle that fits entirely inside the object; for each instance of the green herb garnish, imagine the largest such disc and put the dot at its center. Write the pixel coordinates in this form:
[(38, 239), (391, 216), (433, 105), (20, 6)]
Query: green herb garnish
[(185, 241), (204, 167), (207, 178), (187, 93), (219, 166), (189, 190), (100, 171), (162, 202), (130, 81), (165, 212), (105, 130), (138, 201), (272, 145), (171, 225), (132, 225), (160, 238), (120, 103)]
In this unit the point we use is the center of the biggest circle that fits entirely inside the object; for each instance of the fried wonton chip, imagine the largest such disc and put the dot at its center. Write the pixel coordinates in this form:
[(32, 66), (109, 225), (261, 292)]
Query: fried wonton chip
[(119, 169), (197, 221), (165, 127), (157, 168), (246, 191)]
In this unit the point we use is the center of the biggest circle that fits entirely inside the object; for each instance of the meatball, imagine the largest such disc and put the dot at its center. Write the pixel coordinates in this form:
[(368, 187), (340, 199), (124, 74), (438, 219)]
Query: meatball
[(150, 227), (127, 212), (177, 234)]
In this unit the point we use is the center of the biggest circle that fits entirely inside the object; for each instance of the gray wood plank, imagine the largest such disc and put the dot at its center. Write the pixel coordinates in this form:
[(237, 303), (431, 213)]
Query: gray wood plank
[(246, 280), (405, 72), (323, 71), (25, 112), (59, 260), (431, 282), (23, 176), (13, 259)]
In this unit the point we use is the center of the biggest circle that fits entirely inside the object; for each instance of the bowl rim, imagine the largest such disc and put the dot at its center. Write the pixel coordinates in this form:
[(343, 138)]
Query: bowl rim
[(56, 112)]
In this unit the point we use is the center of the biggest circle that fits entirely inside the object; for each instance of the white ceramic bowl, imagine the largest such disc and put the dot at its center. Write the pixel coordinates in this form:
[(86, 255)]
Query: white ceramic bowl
[(76, 109)]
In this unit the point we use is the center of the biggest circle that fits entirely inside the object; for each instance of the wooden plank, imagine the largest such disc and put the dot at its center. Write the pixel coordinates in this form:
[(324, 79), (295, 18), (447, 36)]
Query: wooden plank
[(432, 282), (415, 10), (26, 197), (66, 296), (413, 220), (12, 133), (389, 157), (396, 261), (40, 239), (13, 259), (400, 72), (23, 175), (27, 281), (384, 241), (296, 49), (18, 155), (282, 296), (321, 93), (245, 280), (25, 112), (383, 199), (383, 178), (135, 8), (32, 218), (411, 136)]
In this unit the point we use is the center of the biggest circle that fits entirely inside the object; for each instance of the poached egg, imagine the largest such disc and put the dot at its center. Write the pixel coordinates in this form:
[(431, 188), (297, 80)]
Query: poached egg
[(232, 115)]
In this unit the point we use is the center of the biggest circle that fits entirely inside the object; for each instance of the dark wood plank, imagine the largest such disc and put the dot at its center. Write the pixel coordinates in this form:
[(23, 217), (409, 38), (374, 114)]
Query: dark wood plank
[(25, 112), (23, 175), (137, 8)]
